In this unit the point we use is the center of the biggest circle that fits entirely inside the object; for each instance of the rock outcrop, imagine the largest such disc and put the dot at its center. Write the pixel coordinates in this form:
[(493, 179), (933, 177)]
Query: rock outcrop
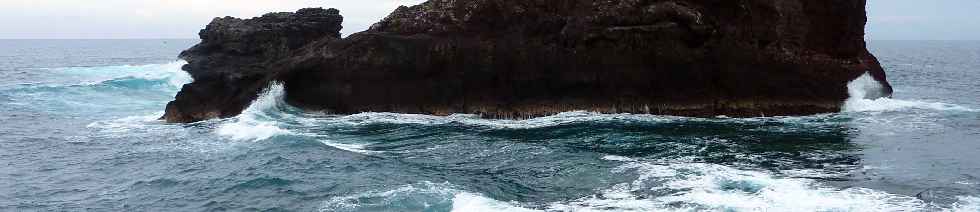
[(232, 64), (528, 58)]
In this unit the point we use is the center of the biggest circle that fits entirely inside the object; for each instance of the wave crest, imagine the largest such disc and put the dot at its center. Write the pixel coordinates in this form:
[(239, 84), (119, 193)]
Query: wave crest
[(658, 187), (862, 99), (423, 196), (169, 74), (699, 186), (258, 121)]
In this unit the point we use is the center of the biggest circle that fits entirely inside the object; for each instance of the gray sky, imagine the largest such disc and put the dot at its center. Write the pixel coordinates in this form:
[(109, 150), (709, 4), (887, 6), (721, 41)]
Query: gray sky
[(924, 19), (890, 19)]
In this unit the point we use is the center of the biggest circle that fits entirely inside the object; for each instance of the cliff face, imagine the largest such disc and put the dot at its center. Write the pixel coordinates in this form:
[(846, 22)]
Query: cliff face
[(231, 65), (526, 58)]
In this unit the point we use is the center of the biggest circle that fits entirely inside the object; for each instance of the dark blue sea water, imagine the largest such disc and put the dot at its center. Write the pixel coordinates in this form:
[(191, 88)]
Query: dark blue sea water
[(79, 132)]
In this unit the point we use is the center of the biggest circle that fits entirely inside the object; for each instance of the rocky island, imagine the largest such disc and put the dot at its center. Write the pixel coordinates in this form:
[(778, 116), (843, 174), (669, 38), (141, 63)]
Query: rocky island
[(529, 58)]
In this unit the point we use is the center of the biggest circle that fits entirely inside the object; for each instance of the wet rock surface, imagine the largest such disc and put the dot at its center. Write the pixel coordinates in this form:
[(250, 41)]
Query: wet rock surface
[(528, 58), (232, 64)]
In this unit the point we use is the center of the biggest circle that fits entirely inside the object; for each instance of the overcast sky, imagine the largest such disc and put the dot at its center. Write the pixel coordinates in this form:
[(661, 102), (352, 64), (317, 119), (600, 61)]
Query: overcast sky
[(890, 19)]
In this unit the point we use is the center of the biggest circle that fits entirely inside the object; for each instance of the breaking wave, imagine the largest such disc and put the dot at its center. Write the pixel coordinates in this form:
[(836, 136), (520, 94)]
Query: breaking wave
[(100, 89), (270, 116), (259, 120), (422, 196), (561, 119), (678, 185), (169, 74), (667, 186), (698, 186), (862, 99)]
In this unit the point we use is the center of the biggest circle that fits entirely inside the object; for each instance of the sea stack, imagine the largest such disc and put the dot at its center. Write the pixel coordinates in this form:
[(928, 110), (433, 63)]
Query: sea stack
[(530, 58)]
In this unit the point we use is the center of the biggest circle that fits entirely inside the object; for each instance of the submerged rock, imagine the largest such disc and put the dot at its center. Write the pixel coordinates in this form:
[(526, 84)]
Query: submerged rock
[(528, 58)]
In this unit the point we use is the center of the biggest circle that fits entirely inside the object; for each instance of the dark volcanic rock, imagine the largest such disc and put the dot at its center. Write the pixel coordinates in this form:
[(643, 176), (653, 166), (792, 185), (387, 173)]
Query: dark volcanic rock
[(231, 64), (526, 58)]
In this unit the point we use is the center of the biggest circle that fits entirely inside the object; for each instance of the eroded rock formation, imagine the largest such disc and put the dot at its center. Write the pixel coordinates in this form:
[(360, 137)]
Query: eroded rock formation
[(528, 58), (232, 64)]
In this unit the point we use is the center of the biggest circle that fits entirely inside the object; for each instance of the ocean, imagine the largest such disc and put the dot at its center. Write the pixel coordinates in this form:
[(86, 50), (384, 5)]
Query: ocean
[(79, 131)]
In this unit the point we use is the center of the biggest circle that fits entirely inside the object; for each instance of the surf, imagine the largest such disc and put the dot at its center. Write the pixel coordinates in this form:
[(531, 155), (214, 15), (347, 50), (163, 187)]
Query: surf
[(678, 187), (863, 98), (108, 88), (260, 120)]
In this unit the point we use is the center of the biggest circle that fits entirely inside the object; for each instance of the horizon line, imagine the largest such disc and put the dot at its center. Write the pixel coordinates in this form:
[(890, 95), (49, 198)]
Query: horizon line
[(871, 40), (137, 38)]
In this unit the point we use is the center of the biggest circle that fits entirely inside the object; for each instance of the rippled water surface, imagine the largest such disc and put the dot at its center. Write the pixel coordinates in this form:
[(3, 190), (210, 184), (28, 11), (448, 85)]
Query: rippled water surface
[(79, 131)]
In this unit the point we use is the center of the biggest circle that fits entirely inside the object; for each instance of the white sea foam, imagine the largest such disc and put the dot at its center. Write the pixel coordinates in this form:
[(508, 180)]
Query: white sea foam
[(175, 75), (470, 202), (268, 116), (422, 196), (717, 187), (69, 76), (476, 120), (124, 125), (254, 123), (689, 187), (860, 90), (249, 130), (171, 72), (617, 158), (967, 204), (358, 148), (887, 104)]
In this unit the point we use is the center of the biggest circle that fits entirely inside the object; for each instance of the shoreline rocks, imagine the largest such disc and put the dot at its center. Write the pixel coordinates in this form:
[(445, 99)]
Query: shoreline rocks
[(232, 64), (528, 58)]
